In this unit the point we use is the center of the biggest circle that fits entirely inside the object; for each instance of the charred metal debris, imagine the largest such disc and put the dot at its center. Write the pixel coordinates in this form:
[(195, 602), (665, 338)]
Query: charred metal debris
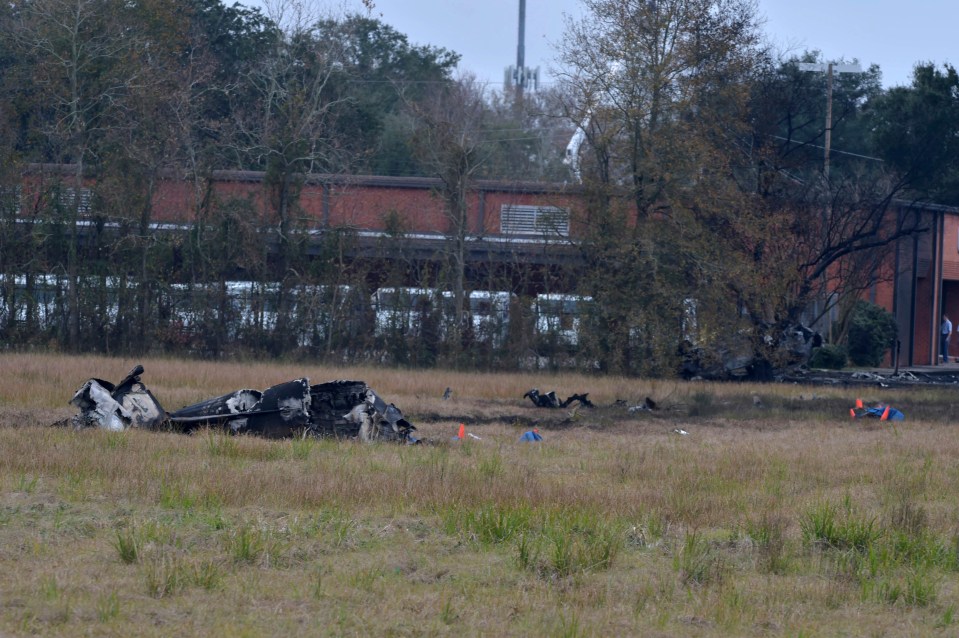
[(941, 376), (550, 400), (343, 409)]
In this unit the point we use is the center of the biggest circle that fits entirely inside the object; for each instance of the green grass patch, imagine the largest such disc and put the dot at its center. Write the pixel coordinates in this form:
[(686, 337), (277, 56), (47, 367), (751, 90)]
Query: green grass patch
[(489, 524), (698, 562), (824, 526)]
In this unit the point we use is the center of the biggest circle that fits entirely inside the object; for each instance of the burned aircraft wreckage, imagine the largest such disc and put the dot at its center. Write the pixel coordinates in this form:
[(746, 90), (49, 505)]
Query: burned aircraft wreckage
[(344, 409), (550, 400)]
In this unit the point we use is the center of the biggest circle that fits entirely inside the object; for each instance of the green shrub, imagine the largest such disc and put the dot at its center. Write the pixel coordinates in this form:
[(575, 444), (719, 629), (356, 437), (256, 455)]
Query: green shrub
[(489, 524), (568, 543), (872, 331), (165, 574), (698, 562), (828, 356), (128, 544), (822, 526)]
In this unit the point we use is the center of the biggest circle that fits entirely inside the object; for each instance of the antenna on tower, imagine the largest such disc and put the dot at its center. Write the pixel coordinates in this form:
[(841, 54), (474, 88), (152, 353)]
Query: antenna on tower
[(520, 76)]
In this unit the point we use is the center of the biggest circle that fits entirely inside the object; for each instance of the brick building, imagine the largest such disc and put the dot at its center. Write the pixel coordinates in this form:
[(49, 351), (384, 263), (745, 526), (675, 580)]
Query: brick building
[(523, 225)]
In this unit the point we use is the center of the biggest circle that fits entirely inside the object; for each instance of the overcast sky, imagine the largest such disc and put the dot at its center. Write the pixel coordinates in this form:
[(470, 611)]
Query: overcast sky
[(894, 34)]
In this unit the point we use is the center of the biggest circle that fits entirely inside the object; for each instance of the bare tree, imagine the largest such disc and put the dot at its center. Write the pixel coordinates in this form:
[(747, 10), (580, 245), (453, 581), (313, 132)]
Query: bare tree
[(80, 52), (450, 140), (658, 91), (287, 129), (823, 235), (648, 79)]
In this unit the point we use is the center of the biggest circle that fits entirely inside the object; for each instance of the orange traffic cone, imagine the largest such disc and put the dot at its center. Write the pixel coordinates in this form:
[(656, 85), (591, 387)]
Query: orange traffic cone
[(858, 403), (852, 413), (462, 433), (885, 414)]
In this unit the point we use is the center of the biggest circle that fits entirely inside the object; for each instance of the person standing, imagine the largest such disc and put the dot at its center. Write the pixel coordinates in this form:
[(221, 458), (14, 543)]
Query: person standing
[(945, 330)]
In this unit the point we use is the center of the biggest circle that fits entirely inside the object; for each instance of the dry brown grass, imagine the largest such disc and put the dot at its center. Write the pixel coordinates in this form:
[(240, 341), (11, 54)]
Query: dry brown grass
[(614, 525)]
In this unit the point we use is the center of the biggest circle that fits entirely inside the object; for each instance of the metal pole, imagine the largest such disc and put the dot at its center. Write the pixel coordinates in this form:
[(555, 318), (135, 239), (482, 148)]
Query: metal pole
[(939, 291), (521, 55), (521, 48), (826, 206), (828, 121)]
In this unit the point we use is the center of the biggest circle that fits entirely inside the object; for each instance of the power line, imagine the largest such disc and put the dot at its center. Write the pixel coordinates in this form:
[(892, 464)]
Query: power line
[(832, 150)]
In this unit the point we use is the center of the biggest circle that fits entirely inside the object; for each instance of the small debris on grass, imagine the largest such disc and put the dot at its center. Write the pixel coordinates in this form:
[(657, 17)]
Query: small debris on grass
[(648, 405), (878, 411)]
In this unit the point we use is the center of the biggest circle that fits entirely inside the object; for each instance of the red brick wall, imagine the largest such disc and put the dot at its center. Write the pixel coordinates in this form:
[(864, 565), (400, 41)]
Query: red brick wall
[(950, 248), (366, 206)]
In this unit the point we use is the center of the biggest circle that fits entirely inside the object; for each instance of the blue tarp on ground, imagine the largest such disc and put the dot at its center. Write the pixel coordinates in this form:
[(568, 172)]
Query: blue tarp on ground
[(876, 412), (532, 435)]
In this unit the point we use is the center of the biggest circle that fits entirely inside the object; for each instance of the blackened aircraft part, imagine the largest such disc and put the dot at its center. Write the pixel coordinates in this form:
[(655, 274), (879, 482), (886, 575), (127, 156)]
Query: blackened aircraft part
[(582, 398), (372, 418), (336, 408), (549, 399), (127, 404), (735, 356), (278, 412), (332, 403)]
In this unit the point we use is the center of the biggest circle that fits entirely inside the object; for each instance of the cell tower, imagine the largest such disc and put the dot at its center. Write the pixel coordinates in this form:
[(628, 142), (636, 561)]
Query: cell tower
[(520, 76)]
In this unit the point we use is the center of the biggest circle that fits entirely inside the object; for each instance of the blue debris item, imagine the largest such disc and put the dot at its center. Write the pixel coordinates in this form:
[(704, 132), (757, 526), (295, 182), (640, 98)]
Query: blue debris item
[(531, 436), (881, 412)]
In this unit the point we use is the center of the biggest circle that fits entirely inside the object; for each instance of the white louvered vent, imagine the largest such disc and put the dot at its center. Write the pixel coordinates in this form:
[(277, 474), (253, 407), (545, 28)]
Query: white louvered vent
[(10, 198), (534, 220), (83, 205)]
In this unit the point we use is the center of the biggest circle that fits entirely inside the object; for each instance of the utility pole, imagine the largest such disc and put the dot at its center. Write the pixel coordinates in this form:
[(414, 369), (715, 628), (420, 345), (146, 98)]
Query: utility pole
[(830, 69)]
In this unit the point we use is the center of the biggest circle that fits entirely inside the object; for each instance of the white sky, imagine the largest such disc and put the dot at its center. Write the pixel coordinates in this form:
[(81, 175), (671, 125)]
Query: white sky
[(895, 34)]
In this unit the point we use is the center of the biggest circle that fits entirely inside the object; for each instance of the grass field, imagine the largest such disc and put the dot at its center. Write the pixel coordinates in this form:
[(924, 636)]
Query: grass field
[(775, 515)]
